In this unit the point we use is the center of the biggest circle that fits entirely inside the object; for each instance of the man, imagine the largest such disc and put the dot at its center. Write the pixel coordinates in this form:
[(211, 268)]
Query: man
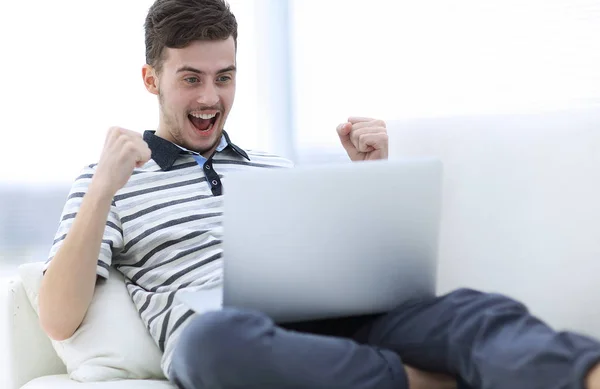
[(151, 207)]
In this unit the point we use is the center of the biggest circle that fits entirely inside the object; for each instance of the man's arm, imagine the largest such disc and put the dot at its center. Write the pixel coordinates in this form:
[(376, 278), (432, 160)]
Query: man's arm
[(68, 285), (69, 282)]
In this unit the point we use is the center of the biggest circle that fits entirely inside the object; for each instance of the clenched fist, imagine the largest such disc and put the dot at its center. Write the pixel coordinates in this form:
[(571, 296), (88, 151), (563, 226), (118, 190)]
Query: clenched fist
[(123, 151), (364, 138)]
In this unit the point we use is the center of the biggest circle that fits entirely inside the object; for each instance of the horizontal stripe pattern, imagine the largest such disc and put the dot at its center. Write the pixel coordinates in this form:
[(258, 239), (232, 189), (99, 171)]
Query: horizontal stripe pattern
[(164, 233)]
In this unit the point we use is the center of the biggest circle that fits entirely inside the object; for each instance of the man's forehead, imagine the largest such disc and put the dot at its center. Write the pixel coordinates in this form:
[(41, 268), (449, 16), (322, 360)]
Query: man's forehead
[(208, 56)]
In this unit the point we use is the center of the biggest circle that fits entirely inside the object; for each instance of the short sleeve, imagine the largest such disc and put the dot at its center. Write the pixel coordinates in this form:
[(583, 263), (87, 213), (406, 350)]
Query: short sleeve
[(112, 240)]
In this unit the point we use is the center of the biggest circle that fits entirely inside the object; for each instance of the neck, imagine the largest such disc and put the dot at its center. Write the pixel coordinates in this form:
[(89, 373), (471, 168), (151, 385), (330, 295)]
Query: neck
[(209, 153)]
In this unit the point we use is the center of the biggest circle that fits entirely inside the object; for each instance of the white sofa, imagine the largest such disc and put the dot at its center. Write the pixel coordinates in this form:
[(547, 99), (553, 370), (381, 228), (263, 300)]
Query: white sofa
[(521, 216), (28, 357)]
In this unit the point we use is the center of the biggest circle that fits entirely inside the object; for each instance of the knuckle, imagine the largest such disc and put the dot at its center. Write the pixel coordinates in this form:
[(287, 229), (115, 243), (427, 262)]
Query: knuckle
[(111, 134), (116, 130), (127, 137), (128, 146), (362, 140)]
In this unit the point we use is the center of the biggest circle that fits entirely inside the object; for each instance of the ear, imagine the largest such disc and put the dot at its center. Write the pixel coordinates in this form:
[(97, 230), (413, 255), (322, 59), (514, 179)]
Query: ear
[(150, 79)]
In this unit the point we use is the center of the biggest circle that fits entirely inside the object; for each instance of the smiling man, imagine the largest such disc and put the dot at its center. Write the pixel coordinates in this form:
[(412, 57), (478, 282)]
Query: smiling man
[(152, 208), (188, 118)]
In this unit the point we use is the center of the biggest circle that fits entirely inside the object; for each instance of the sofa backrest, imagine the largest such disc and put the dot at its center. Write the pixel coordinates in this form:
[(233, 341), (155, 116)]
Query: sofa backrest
[(521, 207)]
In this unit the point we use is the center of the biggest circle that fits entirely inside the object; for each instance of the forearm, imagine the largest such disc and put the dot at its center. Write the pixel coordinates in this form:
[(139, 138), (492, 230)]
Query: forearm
[(68, 285)]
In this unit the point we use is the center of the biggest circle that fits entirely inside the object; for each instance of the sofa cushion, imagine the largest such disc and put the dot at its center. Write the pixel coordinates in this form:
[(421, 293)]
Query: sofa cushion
[(64, 382), (112, 342)]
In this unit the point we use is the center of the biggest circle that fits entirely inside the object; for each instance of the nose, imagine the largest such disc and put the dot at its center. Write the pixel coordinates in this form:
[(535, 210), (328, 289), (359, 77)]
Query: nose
[(208, 95)]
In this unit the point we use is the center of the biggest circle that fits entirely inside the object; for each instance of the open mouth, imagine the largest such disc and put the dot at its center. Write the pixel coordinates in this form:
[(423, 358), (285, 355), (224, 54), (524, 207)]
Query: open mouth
[(203, 122)]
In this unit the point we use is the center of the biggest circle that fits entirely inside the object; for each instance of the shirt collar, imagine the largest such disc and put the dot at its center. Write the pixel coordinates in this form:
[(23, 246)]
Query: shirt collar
[(165, 153)]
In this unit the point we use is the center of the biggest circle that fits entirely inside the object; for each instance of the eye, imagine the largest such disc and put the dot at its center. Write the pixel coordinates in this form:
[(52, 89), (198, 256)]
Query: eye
[(223, 79), (192, 80)]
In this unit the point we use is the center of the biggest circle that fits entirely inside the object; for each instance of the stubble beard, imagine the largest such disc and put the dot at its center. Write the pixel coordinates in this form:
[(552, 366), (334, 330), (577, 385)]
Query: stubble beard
[(169, 122), (171, 126)]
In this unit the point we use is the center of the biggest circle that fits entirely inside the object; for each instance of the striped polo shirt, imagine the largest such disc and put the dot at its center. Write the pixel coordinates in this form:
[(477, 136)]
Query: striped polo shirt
[(164, 229)]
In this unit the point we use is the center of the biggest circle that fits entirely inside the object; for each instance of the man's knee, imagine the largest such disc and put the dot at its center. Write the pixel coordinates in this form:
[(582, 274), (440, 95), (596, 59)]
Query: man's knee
[(216, 343), (214, 335), (475, 300)]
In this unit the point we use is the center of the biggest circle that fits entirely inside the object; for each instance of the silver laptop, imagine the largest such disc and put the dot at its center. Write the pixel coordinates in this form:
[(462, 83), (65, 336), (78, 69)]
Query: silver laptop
[(319, 242)]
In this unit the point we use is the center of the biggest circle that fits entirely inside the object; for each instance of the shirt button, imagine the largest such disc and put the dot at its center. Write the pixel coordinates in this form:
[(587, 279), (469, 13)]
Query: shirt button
[(215, 182), (207, 167)]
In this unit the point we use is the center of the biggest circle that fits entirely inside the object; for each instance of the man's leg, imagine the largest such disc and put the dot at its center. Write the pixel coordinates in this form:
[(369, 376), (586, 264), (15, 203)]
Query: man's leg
[(489, 340), (233, 349)]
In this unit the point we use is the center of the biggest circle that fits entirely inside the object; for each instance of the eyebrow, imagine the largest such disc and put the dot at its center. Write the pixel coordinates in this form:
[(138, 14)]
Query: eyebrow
[(194, 70)]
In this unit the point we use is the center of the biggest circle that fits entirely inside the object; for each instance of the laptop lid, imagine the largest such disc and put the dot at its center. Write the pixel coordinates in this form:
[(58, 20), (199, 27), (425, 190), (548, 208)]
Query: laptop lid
[(336, 240)]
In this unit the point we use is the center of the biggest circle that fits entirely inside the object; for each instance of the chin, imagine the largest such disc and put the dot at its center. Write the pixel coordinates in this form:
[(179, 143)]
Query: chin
[(205, 144)]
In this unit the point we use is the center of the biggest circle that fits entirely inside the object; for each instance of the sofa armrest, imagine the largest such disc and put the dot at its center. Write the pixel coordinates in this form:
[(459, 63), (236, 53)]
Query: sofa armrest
[(26, 351)]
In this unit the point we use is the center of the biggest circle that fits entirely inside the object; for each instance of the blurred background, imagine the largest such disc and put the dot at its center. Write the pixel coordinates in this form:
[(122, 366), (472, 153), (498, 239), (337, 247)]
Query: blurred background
[(71, 69)]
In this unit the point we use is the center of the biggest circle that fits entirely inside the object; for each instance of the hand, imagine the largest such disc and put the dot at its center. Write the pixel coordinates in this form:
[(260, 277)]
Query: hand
[(419, 379), (124, 150), (364, 139)]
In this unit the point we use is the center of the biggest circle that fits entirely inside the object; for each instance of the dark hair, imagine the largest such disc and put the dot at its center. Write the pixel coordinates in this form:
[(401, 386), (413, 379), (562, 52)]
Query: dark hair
[(177, 23)]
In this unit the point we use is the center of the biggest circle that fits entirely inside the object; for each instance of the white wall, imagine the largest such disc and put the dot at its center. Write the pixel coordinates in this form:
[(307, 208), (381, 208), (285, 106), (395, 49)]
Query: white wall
[(408, 59)]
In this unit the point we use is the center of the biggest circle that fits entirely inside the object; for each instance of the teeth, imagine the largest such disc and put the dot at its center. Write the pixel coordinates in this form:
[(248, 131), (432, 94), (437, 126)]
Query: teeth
[(205, 116)]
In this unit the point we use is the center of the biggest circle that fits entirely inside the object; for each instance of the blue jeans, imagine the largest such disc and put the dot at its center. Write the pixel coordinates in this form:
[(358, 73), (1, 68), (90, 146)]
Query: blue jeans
[(487, 341)]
